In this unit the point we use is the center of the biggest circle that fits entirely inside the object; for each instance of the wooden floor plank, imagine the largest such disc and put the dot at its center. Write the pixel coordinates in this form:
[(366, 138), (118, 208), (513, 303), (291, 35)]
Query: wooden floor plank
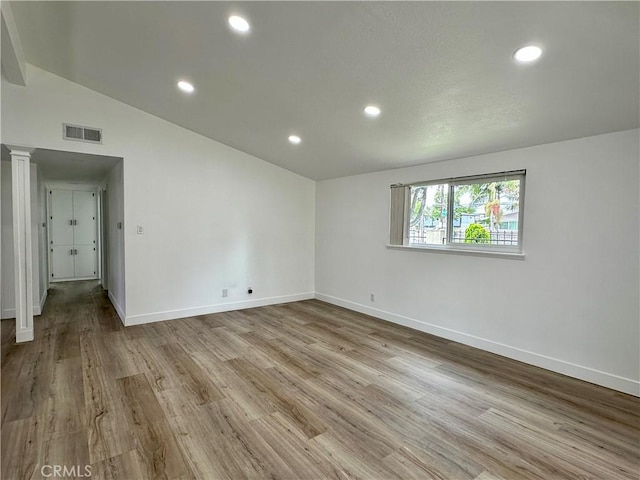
[(23, 447), (154, 439), (417, 464), (300, 453), (124, 466), (285, 403), (351, 458), (105, 415), (31, 388), (250, 400), (63, 412), (193, 378), (262, 453), (71, 451)]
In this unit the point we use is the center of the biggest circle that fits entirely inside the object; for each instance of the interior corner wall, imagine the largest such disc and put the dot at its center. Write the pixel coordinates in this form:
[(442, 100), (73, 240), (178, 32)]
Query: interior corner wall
[(42, 246), (571, 306), (214, 218), (115, 239), (8, 279)]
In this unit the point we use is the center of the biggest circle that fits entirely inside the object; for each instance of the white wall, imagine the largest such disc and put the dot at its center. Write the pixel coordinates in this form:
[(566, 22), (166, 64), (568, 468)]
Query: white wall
[(115, 239), (7, 272), (42, 243), (8, 282), (571, 306), (213, 217)]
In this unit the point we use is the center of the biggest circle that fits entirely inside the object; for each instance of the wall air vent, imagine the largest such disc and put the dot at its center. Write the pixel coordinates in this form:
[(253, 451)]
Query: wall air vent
[(81, 134)]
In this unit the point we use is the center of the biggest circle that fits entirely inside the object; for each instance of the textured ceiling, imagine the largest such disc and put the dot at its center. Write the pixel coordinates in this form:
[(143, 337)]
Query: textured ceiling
[(442, 73)]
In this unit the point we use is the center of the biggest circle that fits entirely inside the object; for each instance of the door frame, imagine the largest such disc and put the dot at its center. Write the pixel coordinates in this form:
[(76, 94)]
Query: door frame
[(103, 224)]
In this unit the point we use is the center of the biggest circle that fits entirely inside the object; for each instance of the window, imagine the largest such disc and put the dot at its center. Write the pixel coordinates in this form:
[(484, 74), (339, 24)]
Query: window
[(482, 212), (428, 214)]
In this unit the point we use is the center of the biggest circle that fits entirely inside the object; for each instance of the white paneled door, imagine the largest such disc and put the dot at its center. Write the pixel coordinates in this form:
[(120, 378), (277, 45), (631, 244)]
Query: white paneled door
[(62, 261), (84, 260), (62, 217), (84, 218), (73, 235)]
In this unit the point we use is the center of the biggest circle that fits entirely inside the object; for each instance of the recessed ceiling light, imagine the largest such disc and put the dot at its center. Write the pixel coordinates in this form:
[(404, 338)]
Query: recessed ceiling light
[(294, 139), (527, 54), (239, 24), (185, 86), (371, 111)]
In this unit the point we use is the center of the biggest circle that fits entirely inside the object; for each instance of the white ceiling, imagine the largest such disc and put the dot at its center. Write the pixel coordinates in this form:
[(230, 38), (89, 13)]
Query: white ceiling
[(73, 167), (442, 73), (69, 167)]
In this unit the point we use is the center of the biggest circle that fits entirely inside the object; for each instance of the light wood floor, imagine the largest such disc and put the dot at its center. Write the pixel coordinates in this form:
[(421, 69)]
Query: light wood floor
[(298, 391)]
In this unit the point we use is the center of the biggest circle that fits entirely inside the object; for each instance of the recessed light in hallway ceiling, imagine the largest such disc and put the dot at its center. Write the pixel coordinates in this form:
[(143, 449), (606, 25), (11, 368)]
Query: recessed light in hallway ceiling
[(239, 24), (528, 54), (186, 86), (371, 111)]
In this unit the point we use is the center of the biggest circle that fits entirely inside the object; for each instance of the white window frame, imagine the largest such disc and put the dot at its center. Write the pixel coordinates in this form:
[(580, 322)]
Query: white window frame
[(507, 251)]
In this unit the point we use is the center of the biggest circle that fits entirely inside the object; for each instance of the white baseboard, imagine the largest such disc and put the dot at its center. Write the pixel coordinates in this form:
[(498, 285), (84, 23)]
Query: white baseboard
[(591, 375), (26, 336), (72, 279), (221, 307), (11, 312), (118, 308), (43, 299), (37, 309)]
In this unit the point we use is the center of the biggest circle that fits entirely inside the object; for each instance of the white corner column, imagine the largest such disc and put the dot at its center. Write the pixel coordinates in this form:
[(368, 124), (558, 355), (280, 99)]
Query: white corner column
[(21, 195)]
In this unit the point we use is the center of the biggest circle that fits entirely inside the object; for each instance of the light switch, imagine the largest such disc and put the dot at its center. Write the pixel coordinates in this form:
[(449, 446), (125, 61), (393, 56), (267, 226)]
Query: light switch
[(140, 230)]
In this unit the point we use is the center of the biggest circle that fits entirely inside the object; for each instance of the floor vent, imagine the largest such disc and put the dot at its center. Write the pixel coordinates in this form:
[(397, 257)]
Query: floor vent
[(81, 134)]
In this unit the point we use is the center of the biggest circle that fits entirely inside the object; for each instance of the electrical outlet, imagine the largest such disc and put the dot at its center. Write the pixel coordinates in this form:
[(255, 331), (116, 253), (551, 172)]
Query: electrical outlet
[(373, 297), (225, 292), (140, 230), (250, 290)]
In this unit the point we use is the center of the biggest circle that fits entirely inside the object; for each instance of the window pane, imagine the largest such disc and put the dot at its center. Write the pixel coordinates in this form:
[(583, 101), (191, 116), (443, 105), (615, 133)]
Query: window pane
[(486, 213), (428, 215)]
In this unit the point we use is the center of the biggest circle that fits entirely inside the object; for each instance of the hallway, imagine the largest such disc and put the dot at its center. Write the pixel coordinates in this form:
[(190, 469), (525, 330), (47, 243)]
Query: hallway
[(43, 402)]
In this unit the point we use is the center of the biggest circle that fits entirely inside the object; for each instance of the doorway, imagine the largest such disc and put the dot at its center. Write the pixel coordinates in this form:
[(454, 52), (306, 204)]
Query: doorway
[(71, 231)]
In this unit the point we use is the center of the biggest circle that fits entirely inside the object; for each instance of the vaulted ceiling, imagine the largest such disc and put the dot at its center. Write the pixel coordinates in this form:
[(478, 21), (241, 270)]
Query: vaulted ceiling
[(442, 73)]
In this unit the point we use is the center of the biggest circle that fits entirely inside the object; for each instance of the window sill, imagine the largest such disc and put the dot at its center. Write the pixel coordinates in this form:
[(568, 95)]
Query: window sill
[(459, 251)]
